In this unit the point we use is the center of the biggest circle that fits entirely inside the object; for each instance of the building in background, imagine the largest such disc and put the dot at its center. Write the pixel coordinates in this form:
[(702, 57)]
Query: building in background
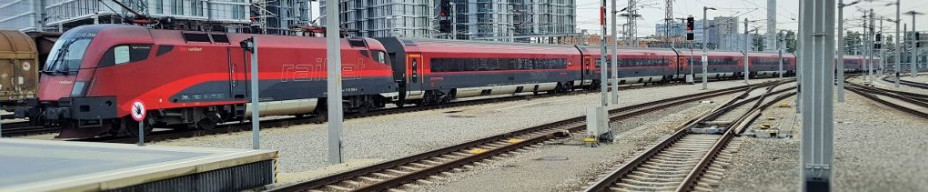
[(519, 20), (719, 28), (499, 20), (21, 14), (385, 18), (675, 29), (735, 42), (276, 16)]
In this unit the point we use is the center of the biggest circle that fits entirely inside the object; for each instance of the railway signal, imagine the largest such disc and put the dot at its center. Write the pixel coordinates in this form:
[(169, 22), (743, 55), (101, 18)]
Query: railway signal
[(444, 26), (918, 42), (690, 26), (445, 15), (248, 44), (879, 41), (445, 8)]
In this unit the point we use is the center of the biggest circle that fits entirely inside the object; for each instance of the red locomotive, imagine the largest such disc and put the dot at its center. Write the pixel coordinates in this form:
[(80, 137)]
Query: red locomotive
[(199, 79)]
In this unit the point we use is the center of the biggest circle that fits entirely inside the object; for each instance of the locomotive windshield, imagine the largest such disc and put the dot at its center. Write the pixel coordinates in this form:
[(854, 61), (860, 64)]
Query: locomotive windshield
[(66, 55)]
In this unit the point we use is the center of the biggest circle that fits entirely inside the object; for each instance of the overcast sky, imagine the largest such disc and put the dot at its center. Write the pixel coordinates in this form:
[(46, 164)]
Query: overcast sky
[(652, 12)]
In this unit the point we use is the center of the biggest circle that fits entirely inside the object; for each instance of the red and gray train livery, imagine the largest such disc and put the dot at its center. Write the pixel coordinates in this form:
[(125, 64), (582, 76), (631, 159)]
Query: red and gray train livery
[(193, 79)]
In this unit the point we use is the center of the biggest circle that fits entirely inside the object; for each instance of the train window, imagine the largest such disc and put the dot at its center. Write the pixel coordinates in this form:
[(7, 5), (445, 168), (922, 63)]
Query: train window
[(364, 52), (380, 56), (67, 56), (196, 37), (123, 54), (495, 64), (220, 38), (356, 43)]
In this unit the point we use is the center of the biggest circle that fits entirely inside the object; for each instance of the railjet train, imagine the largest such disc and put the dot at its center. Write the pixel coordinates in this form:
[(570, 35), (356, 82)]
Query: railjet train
[(195, 80)]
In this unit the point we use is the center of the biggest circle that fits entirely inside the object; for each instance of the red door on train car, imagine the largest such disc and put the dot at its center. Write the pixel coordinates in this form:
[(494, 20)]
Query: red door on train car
[(414, 70), (588, 70), (237, 70)]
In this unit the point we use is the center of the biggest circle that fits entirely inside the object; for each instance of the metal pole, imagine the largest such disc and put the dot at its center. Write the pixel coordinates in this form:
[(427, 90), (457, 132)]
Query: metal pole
[(817, 23), (841, 44), (898, 45), (454, 21), (615, 56), (705, 49), (780, 55), (914, 47), (255, 105), (142, 133), (334, 82), (869, 46), (746, 45), (881, 49), (602, 57)]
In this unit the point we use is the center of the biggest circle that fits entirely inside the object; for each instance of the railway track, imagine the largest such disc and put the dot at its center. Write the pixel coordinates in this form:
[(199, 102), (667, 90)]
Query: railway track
[(915, 104), (417, 168), (906, 82), (692, 158), (25, 128)]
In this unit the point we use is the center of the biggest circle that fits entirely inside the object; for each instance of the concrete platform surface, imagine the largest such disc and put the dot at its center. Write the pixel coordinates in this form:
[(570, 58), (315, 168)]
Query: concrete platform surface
[(43, 165)]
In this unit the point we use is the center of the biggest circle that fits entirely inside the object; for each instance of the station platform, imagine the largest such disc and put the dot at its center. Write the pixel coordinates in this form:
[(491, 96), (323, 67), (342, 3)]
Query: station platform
[(44, 165)]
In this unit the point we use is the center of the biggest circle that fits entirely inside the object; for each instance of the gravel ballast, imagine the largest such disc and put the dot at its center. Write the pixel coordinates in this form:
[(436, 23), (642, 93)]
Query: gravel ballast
[(921, 78), (876, 149), (880, 83), (567, 165), (376, 139)]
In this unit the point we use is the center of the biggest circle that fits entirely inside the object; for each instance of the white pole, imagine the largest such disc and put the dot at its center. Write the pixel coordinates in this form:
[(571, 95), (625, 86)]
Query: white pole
[(914, 48), (780, 55), (615, 56), (255, 123), (898, 45), (882, 50), (602, 57), (869, 46), (705, 49), (334, 82), (840, 56), (747, 43)]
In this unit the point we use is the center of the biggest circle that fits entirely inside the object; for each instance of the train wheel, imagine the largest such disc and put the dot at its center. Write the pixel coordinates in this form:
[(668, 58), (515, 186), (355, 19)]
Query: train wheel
[(321, 116), (209, 122), (132, 126), (206, 124)]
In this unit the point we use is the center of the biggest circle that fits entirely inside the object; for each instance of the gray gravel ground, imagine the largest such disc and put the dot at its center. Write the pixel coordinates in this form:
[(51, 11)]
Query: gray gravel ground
[(921, 78), (878, 82), (376, 139), (578, 164), (877, 149)]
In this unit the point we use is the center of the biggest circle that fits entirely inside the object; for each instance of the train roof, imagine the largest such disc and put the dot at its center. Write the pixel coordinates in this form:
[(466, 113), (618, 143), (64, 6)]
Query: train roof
[(164, 36), (16, 44), (465, 46)]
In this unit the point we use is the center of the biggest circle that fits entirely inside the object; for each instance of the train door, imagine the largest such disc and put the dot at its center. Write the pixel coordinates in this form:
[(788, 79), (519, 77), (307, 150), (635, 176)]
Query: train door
[(588, 69), (414, 71), (236, 59), (682, 65)]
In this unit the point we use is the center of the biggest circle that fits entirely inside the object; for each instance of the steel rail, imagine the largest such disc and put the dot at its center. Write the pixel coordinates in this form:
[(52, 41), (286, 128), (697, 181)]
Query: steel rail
[(682, 131), (572, 124)]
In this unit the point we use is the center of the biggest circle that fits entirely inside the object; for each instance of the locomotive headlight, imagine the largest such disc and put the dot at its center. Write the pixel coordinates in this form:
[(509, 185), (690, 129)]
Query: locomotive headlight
[(80, 88)]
